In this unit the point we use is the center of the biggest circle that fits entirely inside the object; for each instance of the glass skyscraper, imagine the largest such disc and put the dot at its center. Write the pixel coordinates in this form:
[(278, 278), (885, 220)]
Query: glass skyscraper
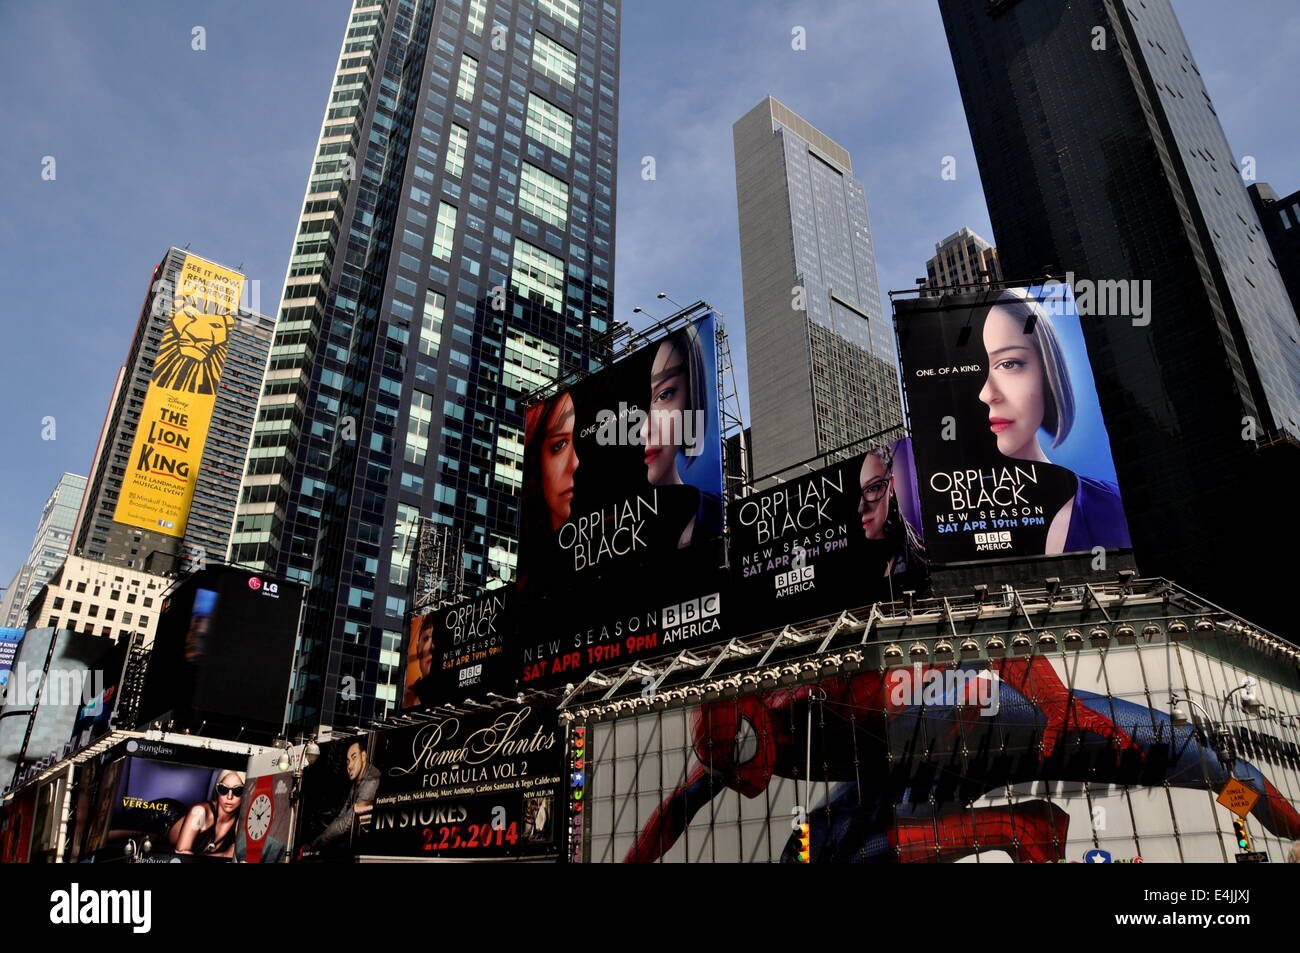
[(1101, 154), (454, 252), (49, 547), (822, 364)]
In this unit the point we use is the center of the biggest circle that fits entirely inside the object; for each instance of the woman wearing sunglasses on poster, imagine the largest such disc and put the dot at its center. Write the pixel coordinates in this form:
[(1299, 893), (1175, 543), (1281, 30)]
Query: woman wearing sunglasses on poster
[(1028, 390), (208, 829)]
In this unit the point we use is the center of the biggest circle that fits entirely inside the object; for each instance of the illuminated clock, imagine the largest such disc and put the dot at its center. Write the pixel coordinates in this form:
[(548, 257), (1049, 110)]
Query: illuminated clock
[(259, 817)]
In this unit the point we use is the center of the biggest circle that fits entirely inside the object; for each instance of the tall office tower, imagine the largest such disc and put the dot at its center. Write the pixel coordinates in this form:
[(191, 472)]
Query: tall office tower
[(822, 367), (963, 258), (165, 477), (1101, 154), (49, 548), (468, 260), (1281, 220)]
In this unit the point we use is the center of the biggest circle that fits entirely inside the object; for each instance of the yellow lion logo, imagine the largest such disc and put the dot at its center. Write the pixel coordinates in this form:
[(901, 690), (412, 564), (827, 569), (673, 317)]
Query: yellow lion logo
[(192, 353)]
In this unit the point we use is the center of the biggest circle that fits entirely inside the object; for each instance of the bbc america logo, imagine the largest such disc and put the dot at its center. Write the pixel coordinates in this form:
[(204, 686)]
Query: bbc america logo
[(469, 676), (984, 539)]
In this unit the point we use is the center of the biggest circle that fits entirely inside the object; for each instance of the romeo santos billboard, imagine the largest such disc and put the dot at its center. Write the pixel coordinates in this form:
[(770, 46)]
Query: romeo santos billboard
[(1011, 449), (168, 446)]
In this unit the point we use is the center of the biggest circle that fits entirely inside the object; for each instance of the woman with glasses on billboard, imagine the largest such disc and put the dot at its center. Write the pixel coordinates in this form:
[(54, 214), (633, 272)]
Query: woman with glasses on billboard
[(208, 829), (676, 428), (1028, 390), (894, 546)]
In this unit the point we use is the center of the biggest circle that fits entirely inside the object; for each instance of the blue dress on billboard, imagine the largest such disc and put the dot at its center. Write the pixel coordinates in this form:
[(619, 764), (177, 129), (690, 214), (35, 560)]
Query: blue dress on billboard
[(1097, 518)]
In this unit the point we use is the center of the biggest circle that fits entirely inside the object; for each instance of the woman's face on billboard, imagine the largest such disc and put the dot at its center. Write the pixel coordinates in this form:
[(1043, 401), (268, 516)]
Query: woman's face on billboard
[(424, 646), (663, 429), (1014, 389), (873, 506), (559, 461)]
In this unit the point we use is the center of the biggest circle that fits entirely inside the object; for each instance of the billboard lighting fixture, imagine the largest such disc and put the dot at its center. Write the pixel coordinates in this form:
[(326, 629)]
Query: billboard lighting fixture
[(692, 691), (712, 691), (1177, 714), (789, 674), (1020, 644), (852, 661), (730, 686), (769, 678), (1100, 637), (1125, 634), (893, 653), (1047, 642), (1151, 631), (943, 651), (918, 651), (1178, 630), (981, 593), (1052, 584), (1204, 627), (1073, 640), (996, 646), (1126, 577), (831, 666), (970, 649)]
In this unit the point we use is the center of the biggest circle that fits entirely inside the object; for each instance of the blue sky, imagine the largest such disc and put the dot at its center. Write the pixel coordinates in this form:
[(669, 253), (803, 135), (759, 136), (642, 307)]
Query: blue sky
[(157, 144)]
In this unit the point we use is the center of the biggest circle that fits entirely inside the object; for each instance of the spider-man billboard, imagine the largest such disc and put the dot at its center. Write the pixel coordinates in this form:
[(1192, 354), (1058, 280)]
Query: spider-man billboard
[(1070, 763)]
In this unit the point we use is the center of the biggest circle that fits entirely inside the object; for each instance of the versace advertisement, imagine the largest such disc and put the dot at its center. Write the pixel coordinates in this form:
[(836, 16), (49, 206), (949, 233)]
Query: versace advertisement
[(1011, 449)]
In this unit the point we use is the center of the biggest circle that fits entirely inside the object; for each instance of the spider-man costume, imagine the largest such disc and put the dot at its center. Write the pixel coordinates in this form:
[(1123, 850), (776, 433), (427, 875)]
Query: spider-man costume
[(936, 760)]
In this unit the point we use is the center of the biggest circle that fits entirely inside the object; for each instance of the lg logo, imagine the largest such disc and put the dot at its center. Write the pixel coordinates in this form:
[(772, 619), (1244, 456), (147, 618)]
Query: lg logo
[(254, 583), (268, 588)]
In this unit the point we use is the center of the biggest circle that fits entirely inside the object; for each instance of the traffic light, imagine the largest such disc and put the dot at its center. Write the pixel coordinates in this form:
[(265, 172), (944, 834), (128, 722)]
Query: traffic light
[(802, 837), (1239, 828)]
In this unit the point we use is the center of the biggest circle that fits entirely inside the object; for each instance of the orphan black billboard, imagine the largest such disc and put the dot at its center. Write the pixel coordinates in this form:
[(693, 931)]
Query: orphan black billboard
[(1011, 450), (459, 651), (845, 536), (624, 469), (622, 512)]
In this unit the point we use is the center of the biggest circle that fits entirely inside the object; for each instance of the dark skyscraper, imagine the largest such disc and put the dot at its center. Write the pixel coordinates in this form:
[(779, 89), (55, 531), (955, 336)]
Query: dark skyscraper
[(1101, 154), (1281, 220), (454, 251)]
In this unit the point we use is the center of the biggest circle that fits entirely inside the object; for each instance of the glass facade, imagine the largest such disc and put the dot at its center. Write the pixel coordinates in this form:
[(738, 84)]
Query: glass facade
[(468, 259), (1112, 164), (821, 354), (50, 546)]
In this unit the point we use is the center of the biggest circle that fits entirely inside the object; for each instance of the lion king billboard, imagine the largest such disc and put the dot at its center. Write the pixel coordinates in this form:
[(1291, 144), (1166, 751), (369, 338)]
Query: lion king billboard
[(168, 445)]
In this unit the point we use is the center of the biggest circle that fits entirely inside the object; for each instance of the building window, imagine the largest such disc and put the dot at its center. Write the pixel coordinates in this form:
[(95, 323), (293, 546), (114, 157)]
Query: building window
[(477, 11), (537, 275), (467, 78), (444, 232), (544, 195), (554, 61), (550, 125), (566, 11), (456, 148), (431, 323), (417, 428)]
